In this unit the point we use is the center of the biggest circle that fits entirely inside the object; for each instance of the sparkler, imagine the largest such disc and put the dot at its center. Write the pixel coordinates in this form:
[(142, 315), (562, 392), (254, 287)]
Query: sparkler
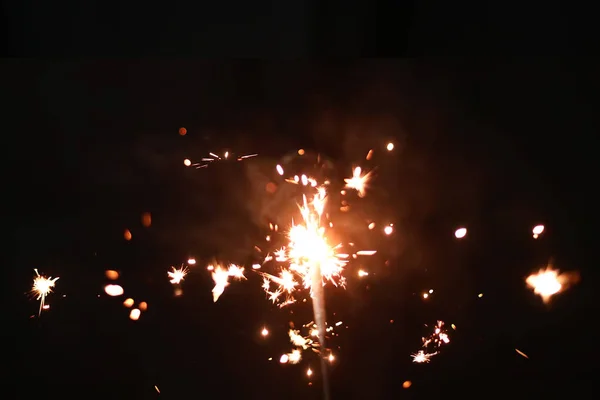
[(42, 287)]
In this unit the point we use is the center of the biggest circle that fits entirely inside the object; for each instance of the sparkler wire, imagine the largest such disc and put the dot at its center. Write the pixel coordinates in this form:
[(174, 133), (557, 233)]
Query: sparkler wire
[(318, 301)]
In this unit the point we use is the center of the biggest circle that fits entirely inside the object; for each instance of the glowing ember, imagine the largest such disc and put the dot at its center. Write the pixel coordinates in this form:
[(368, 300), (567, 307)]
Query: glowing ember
[(460, 233), (537, 231), (113, 290), (112, 275), (134, 315)]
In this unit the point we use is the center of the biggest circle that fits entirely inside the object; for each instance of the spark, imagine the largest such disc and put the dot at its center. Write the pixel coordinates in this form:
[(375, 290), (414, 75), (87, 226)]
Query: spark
[(548, 282), (221, 277), (521, 353), (42, 287), (422, 357), (537, 231), (114, 290), (134, 315), (358, 181), (388, 230), (460, 233), (176, 276), (390, 146), (112, 275)]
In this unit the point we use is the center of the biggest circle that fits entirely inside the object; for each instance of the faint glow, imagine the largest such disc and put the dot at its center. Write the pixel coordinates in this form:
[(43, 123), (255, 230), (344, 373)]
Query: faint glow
[(460, 233), (390, 146), (127, 234), (114, 290), (143, 306), (134, 315), (111, 274), (182, 131), (146, 219), (187, 162), (388, 230), (128, 303), (191, 261)]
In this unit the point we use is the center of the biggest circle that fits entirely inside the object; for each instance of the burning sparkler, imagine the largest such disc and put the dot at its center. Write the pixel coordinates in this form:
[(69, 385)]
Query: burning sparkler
[(42, 287)]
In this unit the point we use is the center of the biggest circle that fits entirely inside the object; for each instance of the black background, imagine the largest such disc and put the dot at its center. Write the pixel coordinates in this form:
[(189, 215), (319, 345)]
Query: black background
[(493, 144)]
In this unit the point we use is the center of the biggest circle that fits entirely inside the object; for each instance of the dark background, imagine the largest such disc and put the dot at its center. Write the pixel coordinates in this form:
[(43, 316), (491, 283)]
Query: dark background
[(496, 145)]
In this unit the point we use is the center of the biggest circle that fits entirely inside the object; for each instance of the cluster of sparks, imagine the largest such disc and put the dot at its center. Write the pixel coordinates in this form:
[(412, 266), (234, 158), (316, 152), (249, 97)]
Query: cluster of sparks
[(431, 344), (213, 157), (304, 263)]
